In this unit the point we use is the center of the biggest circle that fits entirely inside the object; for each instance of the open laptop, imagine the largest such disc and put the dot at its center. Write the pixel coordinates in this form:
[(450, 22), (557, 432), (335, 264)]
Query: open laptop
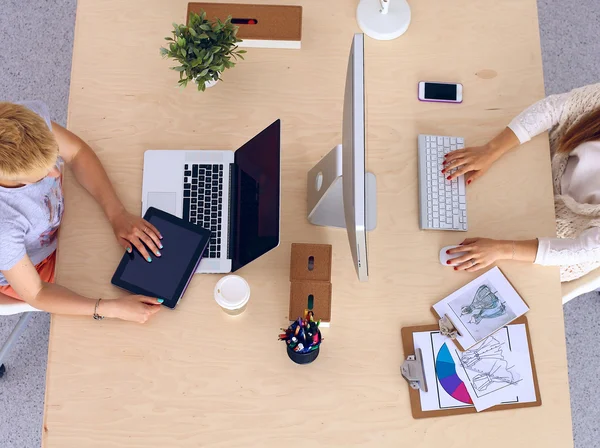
[(236, 195)]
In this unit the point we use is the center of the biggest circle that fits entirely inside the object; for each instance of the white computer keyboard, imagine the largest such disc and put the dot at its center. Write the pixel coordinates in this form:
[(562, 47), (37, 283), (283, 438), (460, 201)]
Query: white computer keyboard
[(443, 203)]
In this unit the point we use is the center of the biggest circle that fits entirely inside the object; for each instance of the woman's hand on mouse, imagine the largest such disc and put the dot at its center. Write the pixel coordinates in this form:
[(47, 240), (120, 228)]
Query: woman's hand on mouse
[(480, 253), (133, 308), (473, 162), (134, 231)]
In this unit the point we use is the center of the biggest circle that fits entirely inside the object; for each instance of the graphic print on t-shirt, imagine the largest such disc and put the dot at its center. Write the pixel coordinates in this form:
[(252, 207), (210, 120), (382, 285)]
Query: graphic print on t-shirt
[(55, 203)]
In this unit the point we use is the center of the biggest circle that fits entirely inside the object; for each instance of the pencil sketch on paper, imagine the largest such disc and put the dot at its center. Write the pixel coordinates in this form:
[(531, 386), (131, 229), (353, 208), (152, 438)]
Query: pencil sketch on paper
[(485, 305), (482, 312), (486, 366)]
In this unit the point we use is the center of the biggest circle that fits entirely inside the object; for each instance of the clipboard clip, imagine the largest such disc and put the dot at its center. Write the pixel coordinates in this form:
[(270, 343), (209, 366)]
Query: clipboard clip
[(413, 371), (447, 328)]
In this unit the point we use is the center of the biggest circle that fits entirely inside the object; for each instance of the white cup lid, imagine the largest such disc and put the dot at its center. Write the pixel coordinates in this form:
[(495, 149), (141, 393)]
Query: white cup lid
[(232, 292)]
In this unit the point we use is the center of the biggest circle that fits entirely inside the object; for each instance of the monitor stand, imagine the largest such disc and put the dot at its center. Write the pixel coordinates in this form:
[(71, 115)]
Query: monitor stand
[(326, 197)]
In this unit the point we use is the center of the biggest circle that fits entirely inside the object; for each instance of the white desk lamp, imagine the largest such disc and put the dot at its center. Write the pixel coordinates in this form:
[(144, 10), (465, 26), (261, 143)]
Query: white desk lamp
[(383, 19)]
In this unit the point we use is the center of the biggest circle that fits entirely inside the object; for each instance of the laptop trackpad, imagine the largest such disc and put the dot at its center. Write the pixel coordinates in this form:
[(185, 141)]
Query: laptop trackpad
[(163, 201)]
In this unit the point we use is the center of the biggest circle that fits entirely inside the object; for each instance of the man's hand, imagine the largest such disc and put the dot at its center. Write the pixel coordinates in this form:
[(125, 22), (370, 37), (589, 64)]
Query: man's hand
[(132, 230)]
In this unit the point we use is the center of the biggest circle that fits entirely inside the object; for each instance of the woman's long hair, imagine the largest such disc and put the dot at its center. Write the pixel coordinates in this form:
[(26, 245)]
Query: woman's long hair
[(587, 129)]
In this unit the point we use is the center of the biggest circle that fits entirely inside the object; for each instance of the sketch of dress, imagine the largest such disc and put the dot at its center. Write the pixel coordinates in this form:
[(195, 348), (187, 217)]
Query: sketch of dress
[(489, 365), (485, 305)]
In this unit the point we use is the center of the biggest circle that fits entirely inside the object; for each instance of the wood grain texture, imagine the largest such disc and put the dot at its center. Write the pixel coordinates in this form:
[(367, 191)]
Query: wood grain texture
[(198, 377)]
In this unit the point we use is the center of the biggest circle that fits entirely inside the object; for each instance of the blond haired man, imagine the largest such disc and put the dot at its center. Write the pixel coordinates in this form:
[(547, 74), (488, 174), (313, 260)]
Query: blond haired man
[(33, 152)]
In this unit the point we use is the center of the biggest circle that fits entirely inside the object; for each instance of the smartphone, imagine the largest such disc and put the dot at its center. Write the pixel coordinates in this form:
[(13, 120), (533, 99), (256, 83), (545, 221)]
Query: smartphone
[(442, 92)]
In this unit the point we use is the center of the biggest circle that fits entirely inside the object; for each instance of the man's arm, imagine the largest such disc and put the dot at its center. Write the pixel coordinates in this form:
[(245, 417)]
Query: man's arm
[(57, 299), (90, 173), (88, 170)]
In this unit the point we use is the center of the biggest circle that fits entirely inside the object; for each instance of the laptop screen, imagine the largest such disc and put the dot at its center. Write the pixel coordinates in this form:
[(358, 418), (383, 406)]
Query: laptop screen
[(256, 190)]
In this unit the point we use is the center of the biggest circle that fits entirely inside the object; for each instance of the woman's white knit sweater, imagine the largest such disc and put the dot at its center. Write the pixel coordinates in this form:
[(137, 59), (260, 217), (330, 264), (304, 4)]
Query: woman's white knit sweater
[(576, 179)]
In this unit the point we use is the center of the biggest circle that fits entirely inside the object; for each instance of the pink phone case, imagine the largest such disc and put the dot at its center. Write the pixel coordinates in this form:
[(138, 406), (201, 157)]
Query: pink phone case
[(436, 101)]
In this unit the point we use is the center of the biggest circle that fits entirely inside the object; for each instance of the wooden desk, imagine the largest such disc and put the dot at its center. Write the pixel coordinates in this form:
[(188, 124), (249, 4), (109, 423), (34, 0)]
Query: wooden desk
[(190, 377)]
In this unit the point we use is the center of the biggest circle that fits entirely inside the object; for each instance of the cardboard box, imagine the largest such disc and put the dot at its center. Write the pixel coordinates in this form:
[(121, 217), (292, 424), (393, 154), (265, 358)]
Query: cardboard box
[(304, 294), (311, 262), (260, 26), (310, 277)]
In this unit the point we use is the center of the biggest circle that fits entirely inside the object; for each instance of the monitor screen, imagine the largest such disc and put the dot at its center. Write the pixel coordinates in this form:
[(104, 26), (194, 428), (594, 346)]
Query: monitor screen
[(257, 188)]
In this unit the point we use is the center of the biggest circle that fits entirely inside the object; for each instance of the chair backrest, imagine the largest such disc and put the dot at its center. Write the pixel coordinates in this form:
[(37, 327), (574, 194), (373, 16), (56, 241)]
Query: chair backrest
[(588, 283), (16, 308)]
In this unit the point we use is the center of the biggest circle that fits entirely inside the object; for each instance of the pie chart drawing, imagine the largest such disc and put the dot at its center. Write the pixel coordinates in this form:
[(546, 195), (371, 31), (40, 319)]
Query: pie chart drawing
[(448, 378)]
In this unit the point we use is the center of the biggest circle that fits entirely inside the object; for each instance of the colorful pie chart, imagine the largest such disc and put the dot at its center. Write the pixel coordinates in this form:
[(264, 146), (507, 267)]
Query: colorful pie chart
[(448, 378)]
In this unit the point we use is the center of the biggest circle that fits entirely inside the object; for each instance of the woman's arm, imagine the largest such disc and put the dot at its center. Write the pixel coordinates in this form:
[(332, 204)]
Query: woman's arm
[(475, 161), (90, 173), (539, 117), (482, 252), (52, 298), (568, 251)]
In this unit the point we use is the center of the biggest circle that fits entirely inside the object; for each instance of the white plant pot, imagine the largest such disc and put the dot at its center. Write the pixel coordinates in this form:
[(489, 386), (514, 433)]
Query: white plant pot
[(211, 82)]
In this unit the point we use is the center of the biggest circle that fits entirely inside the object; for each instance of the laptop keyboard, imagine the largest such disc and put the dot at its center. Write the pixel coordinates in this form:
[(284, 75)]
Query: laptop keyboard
[(203, 202)]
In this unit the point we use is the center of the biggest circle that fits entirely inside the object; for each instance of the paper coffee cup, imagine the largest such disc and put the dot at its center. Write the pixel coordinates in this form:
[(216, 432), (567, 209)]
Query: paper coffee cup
[(232, 293)]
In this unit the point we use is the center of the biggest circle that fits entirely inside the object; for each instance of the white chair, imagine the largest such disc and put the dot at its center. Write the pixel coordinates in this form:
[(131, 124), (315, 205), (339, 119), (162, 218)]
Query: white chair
[(8, 310), (588, 283)]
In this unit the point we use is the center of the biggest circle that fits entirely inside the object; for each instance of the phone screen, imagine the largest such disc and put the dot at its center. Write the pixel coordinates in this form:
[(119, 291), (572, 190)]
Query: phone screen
[(435, 91)]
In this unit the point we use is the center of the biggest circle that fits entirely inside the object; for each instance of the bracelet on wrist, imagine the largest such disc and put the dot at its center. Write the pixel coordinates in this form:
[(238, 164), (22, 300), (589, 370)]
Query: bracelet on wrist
[(96, 316)]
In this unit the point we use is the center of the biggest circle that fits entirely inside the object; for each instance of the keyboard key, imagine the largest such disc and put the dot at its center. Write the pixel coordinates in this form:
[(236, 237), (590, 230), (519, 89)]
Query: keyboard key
[(462, 200), (436, 223), (462, 206), (187, 186), (195, 170), (186, 209), (187, 167), (453, 140), (187, 193)]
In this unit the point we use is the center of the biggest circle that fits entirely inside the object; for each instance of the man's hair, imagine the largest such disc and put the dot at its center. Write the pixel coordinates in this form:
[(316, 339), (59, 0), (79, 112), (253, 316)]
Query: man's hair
[(27, 145)]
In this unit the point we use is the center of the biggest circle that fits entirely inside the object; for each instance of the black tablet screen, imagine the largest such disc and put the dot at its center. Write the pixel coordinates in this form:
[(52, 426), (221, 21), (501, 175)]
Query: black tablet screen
[(165, 276)]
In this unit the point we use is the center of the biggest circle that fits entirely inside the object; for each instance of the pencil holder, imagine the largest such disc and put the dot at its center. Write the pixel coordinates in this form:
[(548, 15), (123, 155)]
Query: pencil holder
[(304, 358)]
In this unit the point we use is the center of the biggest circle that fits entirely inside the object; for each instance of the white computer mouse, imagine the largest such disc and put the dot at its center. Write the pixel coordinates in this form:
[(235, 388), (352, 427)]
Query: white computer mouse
[(444, 257)]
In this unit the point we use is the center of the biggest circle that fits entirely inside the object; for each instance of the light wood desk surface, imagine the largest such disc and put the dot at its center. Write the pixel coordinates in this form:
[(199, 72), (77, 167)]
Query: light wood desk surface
[(198, 377)]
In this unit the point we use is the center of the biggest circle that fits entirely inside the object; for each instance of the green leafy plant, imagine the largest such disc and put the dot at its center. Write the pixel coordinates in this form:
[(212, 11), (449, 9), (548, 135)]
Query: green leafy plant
[(203, 48)]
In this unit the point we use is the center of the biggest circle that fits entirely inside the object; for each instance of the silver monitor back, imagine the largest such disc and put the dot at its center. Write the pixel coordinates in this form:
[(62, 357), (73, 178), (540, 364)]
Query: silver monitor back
[(340, 191)]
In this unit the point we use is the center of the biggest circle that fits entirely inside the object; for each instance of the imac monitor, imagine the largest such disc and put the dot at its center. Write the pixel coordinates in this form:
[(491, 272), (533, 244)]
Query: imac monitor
[(340, 191), (353, 157)]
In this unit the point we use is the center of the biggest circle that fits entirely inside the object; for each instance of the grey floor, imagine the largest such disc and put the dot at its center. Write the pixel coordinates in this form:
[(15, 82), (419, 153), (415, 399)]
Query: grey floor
[(36, 39)]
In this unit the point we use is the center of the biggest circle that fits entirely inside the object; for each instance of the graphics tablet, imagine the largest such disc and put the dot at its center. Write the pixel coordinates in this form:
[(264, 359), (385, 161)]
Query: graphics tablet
[(168, 276)]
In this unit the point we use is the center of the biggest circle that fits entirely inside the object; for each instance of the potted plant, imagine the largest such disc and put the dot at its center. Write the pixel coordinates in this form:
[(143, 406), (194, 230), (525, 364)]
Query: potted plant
[(203, 49)]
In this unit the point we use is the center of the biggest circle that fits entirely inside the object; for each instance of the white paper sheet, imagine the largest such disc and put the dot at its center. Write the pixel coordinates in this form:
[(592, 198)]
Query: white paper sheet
[(481, 307), (495, 371)]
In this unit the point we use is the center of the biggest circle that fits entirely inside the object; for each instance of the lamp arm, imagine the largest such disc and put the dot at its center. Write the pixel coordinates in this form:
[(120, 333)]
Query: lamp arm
[(385, 6)]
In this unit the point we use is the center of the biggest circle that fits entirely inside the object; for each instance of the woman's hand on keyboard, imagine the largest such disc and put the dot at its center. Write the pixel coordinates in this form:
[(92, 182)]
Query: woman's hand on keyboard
[(473, 162), (480, 253)]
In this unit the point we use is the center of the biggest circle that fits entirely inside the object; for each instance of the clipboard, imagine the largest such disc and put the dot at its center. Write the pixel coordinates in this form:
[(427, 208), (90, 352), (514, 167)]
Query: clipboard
[(414, 394)]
